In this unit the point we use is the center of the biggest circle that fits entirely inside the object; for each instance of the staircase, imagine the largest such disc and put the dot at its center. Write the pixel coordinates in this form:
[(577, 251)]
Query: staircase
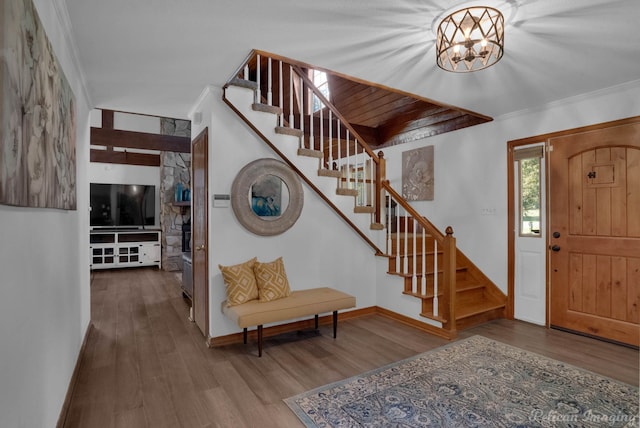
[(275, 97)]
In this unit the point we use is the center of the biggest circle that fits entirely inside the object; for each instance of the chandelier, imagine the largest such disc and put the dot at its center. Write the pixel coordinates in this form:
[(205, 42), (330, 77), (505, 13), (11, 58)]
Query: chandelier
[(470, 39)]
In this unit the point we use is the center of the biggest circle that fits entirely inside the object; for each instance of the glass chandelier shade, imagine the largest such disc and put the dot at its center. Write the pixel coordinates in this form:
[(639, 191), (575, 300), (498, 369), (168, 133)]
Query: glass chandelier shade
[(470, 39)]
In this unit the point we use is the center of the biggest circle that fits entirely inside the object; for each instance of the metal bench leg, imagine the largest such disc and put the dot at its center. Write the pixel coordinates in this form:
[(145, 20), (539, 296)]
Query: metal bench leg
[(316, 321), (244, 336), (335, 323), (260, 341)]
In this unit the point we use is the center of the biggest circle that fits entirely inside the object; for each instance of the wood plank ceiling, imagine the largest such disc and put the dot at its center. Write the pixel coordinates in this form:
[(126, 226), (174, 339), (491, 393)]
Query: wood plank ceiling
[(386, 117)]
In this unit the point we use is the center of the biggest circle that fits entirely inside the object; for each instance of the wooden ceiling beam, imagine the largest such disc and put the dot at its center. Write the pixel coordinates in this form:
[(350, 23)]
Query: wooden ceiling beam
[(139, 140), (124, 158)]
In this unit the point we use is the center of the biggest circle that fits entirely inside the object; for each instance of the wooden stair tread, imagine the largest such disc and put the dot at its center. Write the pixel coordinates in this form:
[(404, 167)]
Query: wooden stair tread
[(418, 253), (285, 130), (242, 83), (310, 153), (410, 275), (465, 286), (266, 108), (364, 209), (323, 172), (346, 192), (477, 307), (377, 226)]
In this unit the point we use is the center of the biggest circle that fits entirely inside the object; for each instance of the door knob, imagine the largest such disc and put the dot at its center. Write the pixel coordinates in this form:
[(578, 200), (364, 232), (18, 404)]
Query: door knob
[(556, 235), (555, 248), (200, 247)]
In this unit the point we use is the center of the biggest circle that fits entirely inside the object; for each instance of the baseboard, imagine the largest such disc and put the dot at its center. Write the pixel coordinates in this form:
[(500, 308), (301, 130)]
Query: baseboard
[(74, 379), (234, 338), (428, 328)]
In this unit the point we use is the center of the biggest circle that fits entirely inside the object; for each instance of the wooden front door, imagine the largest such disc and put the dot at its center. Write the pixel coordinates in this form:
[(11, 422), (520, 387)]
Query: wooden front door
[(199, 218), (594, 234)]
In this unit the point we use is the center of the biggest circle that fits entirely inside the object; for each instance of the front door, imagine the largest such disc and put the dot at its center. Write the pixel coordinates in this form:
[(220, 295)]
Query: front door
[(594, 242), (199, 165)]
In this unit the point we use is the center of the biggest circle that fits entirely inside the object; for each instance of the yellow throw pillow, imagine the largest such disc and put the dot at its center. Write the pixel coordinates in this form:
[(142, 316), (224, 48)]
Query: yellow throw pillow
[(240, 282), (272, 280)]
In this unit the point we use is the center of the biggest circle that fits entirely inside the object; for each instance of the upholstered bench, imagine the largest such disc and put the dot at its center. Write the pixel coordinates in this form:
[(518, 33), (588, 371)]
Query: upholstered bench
[(297, 304)]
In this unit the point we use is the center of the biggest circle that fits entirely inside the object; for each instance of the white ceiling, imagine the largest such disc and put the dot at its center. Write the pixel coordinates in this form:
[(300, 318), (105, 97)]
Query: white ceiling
[(157, 56)]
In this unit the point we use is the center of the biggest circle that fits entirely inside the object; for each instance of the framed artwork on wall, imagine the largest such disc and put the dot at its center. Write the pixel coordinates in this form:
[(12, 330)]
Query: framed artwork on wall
[(418, 174), (37, 115)]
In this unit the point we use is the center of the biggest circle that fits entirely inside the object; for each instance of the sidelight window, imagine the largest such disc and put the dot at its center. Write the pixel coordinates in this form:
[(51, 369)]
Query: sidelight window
[(529, 190)]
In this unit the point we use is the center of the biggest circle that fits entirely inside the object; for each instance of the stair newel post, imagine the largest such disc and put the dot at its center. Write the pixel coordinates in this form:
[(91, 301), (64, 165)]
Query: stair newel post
[(414, 278), (449, 280), (258, 65), (280, 94), (291, 96), (269, 84), (379, 192)]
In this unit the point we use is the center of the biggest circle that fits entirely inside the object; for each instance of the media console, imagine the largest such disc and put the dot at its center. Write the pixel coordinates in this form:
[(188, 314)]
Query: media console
[(120, 248)]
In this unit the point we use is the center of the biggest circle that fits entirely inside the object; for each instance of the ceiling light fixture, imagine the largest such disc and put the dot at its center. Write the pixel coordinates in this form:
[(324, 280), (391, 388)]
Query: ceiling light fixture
[(470, 39)]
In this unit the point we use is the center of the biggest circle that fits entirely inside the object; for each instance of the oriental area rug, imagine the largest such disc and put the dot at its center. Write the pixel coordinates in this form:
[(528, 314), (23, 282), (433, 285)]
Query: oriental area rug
[(475, 382)]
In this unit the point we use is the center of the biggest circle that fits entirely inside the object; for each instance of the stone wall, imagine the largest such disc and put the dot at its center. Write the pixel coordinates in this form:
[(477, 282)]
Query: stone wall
[(174, 168)]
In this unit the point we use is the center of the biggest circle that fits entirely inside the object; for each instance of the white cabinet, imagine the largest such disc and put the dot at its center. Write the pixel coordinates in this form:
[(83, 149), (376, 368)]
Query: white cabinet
[(124, 248)]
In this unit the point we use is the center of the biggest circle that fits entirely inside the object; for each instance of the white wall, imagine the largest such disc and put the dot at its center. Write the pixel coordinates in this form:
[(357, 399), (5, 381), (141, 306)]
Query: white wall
[(44, 253), (319, 250)]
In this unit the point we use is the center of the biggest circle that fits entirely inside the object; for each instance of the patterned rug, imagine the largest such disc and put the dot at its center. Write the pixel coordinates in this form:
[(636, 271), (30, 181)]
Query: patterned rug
[(474, 382)]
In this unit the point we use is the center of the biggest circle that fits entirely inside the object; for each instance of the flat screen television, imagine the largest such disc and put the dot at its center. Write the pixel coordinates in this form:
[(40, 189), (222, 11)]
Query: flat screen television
[(122, 205)]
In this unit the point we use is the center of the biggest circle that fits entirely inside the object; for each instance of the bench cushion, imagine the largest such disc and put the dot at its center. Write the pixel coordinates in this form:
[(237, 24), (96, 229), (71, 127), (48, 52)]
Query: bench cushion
[(299, 303)]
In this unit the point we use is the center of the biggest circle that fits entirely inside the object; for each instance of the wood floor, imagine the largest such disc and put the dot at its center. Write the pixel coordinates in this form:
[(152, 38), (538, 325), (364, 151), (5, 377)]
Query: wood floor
[(146, 365)]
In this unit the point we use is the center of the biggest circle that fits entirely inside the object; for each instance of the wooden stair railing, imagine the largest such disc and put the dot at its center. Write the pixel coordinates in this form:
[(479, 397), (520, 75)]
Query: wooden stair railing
[(285, 89), (453, 291)]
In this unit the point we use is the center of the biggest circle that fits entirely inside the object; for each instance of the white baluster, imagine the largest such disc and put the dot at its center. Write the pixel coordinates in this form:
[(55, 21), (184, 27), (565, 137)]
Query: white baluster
[(246, 72), (339, 156), (269, 79), (312, 144), (435, 277), (290, 96), (301, 107), (321, 136), (372, 184), (347, 142), (398, 267), (280, 95), (331, 153), (356, 164), (406, 243), (388, 214), (424, 262), (258, 97), (414, 279)]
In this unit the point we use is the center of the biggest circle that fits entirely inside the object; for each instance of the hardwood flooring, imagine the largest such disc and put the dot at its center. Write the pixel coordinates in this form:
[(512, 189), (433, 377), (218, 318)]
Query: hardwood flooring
[(146, 365)]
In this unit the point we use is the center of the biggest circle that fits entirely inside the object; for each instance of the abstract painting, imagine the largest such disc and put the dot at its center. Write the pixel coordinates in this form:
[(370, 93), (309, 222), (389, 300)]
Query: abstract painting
[(417, 174), (266, 196), (37, 115)]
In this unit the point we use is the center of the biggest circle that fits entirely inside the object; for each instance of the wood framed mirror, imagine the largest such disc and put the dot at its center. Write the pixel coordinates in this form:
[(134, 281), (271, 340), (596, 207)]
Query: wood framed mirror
[(267, 197)]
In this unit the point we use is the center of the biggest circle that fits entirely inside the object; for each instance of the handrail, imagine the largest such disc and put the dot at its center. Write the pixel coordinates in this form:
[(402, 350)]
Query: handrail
[(433, 231)]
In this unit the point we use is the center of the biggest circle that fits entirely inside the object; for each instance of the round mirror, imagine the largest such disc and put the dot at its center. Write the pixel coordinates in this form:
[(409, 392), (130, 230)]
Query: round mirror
[(267, 197)]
